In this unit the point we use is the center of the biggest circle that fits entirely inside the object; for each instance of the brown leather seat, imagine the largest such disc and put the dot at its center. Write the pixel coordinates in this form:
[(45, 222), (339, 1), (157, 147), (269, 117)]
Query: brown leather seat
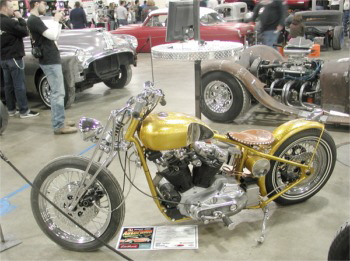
[(252, 137)]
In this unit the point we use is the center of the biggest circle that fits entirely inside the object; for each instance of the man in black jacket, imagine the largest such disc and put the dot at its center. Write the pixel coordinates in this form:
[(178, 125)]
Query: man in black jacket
[(12, 32), (78, 17), (271, 14)]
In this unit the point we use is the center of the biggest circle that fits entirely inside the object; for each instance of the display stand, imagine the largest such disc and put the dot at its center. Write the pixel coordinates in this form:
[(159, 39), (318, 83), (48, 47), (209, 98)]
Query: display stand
[(197, 52), (7, 242)]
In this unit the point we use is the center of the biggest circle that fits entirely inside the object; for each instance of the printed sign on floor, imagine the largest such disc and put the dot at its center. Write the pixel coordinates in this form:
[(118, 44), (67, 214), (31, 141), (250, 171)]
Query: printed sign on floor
[(158, 238)]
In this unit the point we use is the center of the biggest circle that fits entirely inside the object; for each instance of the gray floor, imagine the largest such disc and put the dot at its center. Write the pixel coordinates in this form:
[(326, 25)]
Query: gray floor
[(299, 232)]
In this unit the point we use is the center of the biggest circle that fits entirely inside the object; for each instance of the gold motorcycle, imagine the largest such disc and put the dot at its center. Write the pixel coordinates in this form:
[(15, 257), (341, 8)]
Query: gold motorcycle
[(201, 174)]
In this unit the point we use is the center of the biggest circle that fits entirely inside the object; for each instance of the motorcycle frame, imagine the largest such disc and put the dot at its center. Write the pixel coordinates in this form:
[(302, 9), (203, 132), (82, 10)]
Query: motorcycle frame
[(281, 134)]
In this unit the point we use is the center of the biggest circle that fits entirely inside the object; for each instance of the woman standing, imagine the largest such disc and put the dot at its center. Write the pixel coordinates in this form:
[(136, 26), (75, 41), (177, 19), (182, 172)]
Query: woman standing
[(150, 6), (111, 17)]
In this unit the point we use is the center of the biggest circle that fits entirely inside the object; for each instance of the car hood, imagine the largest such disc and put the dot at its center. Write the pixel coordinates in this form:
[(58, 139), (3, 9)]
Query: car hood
[(90, 44), (127, 28)]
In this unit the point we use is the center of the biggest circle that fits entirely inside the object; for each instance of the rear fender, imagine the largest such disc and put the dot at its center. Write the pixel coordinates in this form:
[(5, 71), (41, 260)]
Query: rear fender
[(284, 132)]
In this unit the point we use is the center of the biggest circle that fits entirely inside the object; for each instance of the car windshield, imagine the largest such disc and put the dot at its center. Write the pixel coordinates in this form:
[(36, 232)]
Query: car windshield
[(211, 18), (158, 21)]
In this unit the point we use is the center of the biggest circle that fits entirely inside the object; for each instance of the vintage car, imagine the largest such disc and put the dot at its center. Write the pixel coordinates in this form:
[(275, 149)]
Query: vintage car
[(88, 56), (295, 4), (324, 27), (234, 12), (212, 27), (293, 86)]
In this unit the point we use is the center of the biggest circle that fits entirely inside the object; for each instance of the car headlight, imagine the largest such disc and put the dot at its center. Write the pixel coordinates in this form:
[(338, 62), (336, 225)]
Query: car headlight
[(130, 39), (82, 55)]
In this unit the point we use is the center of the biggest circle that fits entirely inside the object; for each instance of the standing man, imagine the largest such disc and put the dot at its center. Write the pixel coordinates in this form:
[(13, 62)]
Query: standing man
[(346, 16), (271, 14), (78, 17), (50, 62), (12, 32), (138, 11), (122, 14)]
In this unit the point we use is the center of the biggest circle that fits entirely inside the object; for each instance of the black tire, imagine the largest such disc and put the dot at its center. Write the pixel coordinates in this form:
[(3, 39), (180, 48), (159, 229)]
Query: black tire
[(3, 117), (338, 38), (44, 91), (122, 79), (339, 249), (299, 147), (59, 229), (234, 99)]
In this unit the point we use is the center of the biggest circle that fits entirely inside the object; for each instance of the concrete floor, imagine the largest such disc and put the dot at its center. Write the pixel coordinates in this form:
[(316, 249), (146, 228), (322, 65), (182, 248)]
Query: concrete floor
[(298, 232)]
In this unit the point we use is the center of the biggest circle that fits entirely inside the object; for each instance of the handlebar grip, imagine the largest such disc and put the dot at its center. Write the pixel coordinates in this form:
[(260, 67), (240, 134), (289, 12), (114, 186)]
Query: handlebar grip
[(163, 101), (138, 108)]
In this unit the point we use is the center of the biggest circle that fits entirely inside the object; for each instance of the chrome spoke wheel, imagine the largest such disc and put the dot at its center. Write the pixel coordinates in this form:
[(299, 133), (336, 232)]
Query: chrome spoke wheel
[(45, 91), (93, 212), (307, 148), (218, 96), (301, 152)]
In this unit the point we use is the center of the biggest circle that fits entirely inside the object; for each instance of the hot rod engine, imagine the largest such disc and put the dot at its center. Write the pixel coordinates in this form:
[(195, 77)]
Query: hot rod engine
[(295, 82), (203, 192)]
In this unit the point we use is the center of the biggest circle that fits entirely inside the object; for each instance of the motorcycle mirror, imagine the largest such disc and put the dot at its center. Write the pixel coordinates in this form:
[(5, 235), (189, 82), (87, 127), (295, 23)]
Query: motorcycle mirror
[(148, 84), (198, 132), (89, 128)]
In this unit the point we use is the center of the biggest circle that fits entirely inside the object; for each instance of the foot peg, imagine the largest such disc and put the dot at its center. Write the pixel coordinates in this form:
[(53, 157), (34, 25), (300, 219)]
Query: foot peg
[(263, 229), (228, 222)]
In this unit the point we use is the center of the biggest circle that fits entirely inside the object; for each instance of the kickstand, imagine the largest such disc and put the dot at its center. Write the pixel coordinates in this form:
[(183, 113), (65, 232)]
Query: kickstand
[(263, 229)]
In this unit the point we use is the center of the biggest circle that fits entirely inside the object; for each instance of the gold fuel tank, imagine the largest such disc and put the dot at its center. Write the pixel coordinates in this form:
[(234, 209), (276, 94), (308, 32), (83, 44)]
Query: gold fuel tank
[(166, 130)]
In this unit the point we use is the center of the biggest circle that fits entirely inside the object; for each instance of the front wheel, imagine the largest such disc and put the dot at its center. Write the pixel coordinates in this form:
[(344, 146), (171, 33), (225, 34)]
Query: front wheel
[(121, 79), (223, 97), (101, 210), (300, 148), (44, 90)]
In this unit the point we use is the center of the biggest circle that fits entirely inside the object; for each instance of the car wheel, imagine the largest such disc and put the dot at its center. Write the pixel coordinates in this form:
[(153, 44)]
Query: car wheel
[(223, 98), (44, 90), (122, 79), (338, 38)]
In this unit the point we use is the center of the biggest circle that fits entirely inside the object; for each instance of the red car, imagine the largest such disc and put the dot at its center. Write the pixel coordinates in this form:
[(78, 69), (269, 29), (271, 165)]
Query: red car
[(294, 4), (212, 27)]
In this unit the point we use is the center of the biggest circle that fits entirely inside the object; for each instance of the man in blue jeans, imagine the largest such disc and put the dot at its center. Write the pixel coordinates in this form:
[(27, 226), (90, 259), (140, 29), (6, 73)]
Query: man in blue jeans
[(271, 14), (12, 32), (50, 63)]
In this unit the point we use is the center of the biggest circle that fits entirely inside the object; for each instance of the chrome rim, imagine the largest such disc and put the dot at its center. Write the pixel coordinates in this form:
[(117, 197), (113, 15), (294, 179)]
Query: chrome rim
[(45, 91), (301, 151), (59, 188), (218, 96)]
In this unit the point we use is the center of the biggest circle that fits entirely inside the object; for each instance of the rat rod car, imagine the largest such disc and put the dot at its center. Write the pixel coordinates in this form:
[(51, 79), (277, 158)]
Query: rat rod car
[(293, 86), (88, 56), (324, 27)]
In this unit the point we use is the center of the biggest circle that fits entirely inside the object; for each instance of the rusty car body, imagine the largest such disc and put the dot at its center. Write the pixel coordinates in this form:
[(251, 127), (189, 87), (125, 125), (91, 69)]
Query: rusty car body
[(293, 86)]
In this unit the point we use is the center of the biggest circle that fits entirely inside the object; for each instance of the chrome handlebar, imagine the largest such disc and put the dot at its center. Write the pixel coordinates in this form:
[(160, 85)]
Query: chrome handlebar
[(149, 96)]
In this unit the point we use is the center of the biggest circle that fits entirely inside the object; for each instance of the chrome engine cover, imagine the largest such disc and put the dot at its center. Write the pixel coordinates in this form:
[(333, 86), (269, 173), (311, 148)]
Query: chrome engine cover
[(224, 197)]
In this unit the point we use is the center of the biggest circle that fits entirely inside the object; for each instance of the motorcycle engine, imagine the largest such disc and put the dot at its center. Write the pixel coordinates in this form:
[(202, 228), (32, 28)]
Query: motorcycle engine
[(203, 191)]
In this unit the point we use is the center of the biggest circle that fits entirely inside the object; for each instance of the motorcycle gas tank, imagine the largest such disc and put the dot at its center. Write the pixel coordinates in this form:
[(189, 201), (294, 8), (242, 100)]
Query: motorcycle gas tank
[(166, 130)]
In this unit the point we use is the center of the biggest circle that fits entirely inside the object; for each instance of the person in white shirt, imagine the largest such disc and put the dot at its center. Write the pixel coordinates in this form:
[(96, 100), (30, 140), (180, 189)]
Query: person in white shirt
[(122, 14), (212, 4), (334, 4)]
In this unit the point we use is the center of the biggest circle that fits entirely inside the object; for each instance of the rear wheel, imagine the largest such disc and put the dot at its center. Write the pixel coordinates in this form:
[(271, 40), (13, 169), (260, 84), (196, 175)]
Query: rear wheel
[(338, 38), (223, 97), (122, 79), (300, 148), (101, 210)]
